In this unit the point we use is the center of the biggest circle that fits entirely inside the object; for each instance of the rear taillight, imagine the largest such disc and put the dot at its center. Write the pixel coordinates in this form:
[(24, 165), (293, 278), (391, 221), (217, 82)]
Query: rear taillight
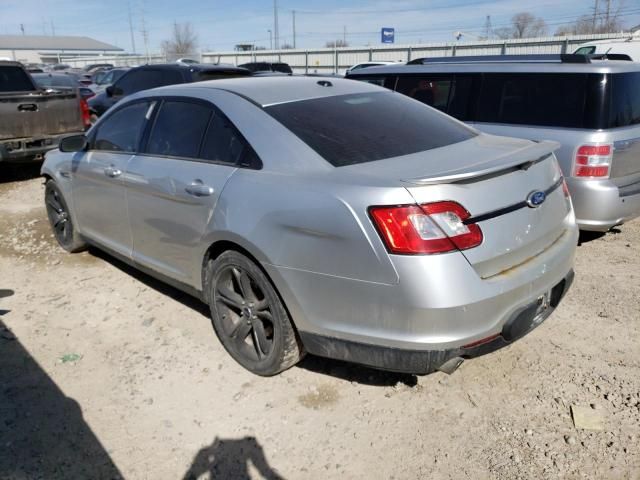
[(593, 161), (85, 113), (429, 228)]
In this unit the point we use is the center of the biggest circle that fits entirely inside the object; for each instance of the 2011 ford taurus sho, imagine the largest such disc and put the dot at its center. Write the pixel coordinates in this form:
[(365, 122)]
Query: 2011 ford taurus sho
[(325, 216)]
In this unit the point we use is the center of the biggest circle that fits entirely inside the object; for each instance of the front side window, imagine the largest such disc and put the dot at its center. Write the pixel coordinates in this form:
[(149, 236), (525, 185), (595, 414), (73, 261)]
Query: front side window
[(178, 129), (359, 128), (122, 131), (14, 79)]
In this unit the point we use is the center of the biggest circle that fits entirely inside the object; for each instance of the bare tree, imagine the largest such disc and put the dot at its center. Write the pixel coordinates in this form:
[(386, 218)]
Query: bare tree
[(183, 40), (286, 46), (523, 25), (336, 44), (600, 21)]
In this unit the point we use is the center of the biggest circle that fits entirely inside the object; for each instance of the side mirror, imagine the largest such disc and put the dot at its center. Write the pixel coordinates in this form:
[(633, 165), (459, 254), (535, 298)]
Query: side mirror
[(109, 91), (74, 143)]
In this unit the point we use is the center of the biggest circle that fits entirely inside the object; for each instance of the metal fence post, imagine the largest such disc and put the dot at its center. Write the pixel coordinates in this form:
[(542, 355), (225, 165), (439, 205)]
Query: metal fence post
[(409, 54), (565, 45), (453, 50), (335, 62), (306, 61), (504, 49), (371, 54)]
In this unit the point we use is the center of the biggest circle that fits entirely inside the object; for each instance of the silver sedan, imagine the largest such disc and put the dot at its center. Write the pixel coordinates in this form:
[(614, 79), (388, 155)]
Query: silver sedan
[(325, 216)]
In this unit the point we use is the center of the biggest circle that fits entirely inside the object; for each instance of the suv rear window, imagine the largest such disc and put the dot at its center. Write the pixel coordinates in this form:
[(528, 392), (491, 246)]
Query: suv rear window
[(624, 99), (359, 128), (14, 79)]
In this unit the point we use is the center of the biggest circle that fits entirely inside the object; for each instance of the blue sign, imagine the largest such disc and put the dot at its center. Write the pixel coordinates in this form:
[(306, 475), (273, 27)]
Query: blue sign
[(387, 35)]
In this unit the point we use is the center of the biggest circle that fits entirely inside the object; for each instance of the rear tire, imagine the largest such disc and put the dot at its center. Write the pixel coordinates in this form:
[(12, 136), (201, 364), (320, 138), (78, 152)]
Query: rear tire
[(60, 219), (249, 317)]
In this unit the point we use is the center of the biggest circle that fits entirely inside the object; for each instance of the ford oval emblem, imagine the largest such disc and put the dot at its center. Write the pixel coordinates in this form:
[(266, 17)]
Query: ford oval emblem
[(536, 198)]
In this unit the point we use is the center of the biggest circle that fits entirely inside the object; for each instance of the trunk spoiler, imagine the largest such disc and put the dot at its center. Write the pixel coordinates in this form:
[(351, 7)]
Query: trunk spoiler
[(521, 159)]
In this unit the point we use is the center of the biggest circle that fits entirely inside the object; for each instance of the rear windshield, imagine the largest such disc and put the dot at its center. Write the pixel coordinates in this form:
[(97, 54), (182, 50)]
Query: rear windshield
[(14, 79), (46, 80), (359, 128)]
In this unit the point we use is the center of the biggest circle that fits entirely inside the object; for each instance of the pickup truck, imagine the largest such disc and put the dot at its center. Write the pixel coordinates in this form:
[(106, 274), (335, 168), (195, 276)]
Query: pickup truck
[(32, 120)]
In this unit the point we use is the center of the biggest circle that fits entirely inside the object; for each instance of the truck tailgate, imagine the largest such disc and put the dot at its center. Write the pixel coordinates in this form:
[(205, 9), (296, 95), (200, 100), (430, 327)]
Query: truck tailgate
[(39, 113)]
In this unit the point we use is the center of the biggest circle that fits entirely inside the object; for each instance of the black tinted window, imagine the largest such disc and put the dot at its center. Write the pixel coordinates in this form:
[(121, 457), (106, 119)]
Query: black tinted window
[(428, 90), (545, 99), (380, 80), (624, 106), (14, 79), (351, 129), (121, 132), (178, 129), (138, 80), (222, 142), (281, 67)]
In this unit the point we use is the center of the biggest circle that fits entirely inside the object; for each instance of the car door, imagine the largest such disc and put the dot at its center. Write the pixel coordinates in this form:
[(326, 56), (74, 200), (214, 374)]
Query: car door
[(174, 184), (98, 189)]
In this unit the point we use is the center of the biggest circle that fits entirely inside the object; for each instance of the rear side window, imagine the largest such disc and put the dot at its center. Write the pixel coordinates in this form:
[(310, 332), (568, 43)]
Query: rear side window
[(222, 143), (380, 80), (545, 99), (624, 104), (585, 50), (281, 67), (14, 79), (358, 128), (138, 80), (178, 129), (122, 131)]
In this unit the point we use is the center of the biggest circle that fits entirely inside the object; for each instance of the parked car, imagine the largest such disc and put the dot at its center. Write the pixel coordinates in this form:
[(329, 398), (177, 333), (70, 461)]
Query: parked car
[(591, 107), (61, 82), (97, 66), (152, 76), (317, 216), (187, 61), (104, 78), (361, 65), (628, 46), (34, 120), (267, 67)]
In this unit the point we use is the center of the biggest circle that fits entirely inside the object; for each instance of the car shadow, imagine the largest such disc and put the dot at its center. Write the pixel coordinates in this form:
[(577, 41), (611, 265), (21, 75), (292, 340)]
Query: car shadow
[(352, 372), (152, 282), (42, 431), (312, 363), (19, 172), (228, 458), (587, 236)]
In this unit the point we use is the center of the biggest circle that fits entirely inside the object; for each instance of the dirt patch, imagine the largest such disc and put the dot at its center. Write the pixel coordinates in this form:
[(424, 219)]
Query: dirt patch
[(148, 388), (28, 237), (319, 397)]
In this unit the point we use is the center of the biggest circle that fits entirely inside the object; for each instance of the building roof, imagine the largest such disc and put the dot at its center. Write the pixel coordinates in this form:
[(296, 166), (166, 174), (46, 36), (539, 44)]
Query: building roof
[(43, 42)]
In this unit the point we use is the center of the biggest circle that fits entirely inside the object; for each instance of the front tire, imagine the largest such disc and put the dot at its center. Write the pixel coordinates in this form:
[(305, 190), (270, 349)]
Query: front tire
[(249, 317), (60, 219)]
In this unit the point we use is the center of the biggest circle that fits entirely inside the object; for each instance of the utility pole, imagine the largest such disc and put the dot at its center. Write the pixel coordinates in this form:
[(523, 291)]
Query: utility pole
[(53, 29), (133, 40), (22, 28), (606, 21), (293, 13), (595, 15), (145, 35), (487, 27), (344, 35), (276, 34), (270, 39)]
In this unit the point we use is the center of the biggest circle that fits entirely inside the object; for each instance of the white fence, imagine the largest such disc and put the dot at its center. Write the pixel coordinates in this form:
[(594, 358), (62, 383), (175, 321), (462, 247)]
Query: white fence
[(336, 60)]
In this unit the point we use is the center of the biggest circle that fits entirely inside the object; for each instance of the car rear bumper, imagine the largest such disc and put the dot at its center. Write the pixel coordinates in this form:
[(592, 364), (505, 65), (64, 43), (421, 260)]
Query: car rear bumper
[(601, 204), (440, 303), (29, 149), (422, 362)]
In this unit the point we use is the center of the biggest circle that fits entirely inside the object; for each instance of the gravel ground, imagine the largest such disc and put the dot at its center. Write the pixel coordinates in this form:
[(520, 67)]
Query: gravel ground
[(106, 373)]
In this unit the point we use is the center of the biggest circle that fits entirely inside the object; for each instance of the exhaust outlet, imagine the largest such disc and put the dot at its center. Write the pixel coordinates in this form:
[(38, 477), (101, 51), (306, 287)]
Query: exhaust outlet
[(451, 365)]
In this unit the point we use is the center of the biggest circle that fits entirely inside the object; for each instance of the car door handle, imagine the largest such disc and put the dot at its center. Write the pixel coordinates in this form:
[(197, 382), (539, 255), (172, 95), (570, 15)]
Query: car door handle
[(112, 172), (27, 107), (198, 189)]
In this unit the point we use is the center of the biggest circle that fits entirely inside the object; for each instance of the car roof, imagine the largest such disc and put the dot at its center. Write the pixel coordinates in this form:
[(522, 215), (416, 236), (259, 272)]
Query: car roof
[(596, 66), (266, 91)]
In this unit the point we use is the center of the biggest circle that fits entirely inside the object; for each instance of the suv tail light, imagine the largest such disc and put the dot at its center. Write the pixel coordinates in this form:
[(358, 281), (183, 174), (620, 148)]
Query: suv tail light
[(85, 113), (429, 228), (593, 161)]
